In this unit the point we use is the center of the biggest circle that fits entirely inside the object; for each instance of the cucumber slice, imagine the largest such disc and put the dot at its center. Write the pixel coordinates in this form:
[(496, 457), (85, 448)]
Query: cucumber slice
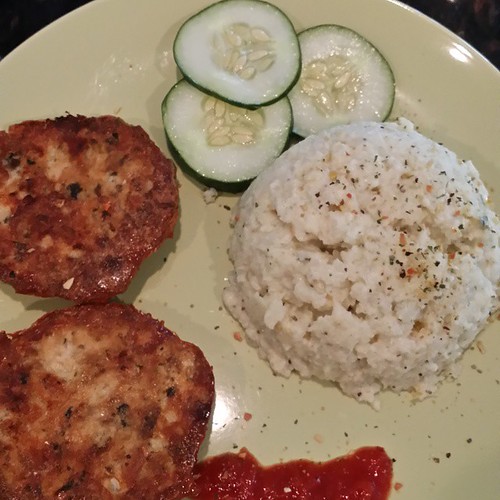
[(245, 52), (344, 79), (221, 145)]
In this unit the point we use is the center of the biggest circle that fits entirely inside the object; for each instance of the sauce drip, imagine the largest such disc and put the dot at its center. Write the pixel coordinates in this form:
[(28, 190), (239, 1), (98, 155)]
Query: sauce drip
[(365, 474)]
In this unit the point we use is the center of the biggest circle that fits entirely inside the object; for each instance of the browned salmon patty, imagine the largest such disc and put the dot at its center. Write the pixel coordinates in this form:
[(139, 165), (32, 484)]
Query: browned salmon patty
[(100, 401), (83, 201)]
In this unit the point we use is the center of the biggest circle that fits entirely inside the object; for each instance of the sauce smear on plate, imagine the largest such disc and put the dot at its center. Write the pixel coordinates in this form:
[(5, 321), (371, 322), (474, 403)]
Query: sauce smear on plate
[(365, 474)]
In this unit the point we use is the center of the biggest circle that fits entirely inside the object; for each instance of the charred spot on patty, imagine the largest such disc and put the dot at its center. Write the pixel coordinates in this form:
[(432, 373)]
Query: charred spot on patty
[(74, 190)]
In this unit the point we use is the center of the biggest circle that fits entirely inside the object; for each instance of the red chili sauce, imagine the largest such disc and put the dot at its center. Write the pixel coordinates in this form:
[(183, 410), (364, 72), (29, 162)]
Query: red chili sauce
[(365, 474)]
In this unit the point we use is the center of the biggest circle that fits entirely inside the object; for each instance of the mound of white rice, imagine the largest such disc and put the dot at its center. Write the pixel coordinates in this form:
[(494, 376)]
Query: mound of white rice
[(367, 256)]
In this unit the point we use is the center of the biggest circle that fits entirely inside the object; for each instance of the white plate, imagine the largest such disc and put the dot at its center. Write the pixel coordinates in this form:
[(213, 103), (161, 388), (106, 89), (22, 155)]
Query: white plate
[(115, 56)]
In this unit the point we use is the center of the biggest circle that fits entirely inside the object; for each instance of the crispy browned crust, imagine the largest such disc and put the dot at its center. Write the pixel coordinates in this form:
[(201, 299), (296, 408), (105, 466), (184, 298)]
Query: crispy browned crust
[(96, 399), (83, 201)]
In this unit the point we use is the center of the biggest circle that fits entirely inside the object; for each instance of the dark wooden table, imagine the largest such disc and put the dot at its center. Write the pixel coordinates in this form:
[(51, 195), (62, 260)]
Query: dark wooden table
[(476, 21)]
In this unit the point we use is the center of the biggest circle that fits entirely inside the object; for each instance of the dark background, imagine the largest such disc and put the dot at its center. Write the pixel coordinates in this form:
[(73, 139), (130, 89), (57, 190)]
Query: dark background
[(476, 21)]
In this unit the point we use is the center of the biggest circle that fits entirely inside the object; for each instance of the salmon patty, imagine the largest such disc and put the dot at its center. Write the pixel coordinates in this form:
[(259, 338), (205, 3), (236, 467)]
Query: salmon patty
[(83, 201), (100, 401)]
